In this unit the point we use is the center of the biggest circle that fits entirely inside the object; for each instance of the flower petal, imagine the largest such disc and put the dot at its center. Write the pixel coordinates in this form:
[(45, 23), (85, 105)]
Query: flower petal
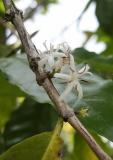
[(84, 69), (72, 63), (59, 54), (62, 76), (51, 60), (80, 91), (67, 90)]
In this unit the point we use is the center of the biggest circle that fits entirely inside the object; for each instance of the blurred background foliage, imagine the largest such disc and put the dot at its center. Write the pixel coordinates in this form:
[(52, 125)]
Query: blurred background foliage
[(25, 109)]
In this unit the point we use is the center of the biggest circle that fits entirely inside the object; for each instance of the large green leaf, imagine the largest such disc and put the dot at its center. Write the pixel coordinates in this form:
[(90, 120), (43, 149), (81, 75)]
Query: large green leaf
[(33, 148), (99, 64), (29, 119), (19, 73), (100, 115), (53, 151), (99, 102), (8, 94), (98, 93)]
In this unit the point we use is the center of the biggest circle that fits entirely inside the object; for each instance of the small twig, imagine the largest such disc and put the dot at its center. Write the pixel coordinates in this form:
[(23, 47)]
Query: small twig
[(15, 16)]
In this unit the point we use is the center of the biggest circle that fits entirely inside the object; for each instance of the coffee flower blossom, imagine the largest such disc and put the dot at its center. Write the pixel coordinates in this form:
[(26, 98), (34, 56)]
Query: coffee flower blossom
[(57, 61), (73, 81), (67, 61), (52, 59), (73, 78)]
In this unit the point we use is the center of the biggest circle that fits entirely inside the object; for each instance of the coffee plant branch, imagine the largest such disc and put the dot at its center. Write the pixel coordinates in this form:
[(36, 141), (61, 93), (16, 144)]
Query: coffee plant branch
[(14, 15)]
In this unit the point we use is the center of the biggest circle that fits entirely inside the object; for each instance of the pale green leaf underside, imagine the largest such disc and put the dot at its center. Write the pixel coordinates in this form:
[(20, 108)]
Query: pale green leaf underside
[(98, 94)]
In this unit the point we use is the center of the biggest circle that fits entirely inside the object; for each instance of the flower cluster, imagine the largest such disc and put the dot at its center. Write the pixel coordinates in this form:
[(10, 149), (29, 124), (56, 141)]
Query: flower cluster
[(61, 62), (52, 59)]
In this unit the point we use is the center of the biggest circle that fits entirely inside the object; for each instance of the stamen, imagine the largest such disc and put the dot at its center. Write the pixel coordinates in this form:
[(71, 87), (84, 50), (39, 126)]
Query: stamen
[(83, 69)]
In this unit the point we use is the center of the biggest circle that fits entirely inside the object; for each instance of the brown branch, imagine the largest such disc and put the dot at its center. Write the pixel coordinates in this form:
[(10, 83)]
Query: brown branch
[(15, 16)]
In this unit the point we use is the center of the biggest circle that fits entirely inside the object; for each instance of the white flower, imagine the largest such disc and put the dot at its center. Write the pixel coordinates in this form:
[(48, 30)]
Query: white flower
[(52, 58), (64, 47), (73, 80), (59, 60), (68, 60)]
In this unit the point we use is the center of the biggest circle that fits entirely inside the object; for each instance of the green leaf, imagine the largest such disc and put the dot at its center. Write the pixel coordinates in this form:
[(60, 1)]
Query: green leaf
[(1, 7), (97, 93), (7, 104), (108, 40), (20, 74), (103, 37), (36, 147), (99, 64), (5, 49), (31, 148), (98, 98), (104, 13), (7, 89), (2, 28), (52, 152), (1, 144), (100, 106), (29, 119), (82, 151)]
